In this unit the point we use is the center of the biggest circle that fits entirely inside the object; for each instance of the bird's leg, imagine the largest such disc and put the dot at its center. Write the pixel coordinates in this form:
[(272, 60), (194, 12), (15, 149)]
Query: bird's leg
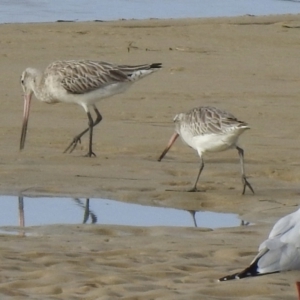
[(91, 125), (244, 179), (77, 138), (194, 189), (75, 141)]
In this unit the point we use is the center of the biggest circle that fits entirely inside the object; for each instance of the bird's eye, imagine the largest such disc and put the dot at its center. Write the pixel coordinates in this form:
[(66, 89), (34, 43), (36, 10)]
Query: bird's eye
[(22, 81)]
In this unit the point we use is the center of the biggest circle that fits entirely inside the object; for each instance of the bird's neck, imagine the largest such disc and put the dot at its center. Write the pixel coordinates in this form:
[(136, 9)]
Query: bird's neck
[(36, 84)]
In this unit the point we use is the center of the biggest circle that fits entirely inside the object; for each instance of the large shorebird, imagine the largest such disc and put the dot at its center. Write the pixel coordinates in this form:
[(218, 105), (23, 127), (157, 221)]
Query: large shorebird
[(280, 252), (82, 82), (209, 129)]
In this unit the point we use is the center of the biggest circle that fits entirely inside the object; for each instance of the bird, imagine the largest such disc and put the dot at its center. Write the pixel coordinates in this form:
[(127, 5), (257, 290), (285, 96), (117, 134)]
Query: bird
[(82, 82), (209, 129), (280, 252)]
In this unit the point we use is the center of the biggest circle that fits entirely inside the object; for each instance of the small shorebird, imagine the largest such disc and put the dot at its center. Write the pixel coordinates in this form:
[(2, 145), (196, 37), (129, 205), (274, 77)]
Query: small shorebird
[(280, 252), (82, 82), (209, 129)]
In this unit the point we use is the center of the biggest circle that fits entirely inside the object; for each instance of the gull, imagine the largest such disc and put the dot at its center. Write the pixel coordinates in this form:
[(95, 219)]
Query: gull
[(209, 129), (82, 82), (280, 252)]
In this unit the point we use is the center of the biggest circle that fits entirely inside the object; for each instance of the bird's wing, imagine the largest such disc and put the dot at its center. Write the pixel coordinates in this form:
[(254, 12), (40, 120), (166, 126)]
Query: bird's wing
[(79, 77), (292, 237), (211, 120), (283, 232), (283, 257), (283, 246), (285, 224)]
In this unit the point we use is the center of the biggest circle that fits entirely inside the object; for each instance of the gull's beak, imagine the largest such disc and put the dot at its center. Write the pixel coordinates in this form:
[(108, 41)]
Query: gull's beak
[(27, 100), (171, 142)]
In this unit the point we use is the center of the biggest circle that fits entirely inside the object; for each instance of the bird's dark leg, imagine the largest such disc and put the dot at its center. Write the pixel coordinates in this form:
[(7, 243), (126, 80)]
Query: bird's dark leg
[(194, 189), (77, 138), (244, 179), (91, 125)]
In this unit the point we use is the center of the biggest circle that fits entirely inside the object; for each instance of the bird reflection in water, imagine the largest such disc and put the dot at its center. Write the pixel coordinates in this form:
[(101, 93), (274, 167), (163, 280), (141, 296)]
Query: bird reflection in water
[(87, 212), (21, 216), (193, 214)]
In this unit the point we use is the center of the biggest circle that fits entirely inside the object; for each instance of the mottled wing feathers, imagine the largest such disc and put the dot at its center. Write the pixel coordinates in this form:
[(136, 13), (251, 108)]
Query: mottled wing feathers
[(79, 77), (78, 84), (128, 70), (209, 120)]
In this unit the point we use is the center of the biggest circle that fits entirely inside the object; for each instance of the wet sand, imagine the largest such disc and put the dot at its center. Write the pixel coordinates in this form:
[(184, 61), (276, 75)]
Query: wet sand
[(247, 65)]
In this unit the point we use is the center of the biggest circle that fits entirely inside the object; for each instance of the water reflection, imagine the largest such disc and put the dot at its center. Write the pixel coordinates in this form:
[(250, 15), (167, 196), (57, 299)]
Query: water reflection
[(193, 214), (21, 216), (87, 212), (245, 223), (46, 211)]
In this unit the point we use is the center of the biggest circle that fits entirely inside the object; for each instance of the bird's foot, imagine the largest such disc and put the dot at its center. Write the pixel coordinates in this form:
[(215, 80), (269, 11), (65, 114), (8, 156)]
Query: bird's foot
[(90, 154), (73, 144), (246, 184), (194, 190)]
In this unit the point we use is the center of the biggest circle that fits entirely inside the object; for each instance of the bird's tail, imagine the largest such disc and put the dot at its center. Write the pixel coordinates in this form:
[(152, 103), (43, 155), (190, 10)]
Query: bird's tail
[(140, 71), (248, 272)]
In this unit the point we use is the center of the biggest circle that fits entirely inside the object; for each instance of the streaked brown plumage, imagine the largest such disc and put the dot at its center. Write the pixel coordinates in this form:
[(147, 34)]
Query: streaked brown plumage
[(209, 129), (82, 82)]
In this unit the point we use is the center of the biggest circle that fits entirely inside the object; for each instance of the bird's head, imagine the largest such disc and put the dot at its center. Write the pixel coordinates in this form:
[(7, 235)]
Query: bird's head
[(28, 83)]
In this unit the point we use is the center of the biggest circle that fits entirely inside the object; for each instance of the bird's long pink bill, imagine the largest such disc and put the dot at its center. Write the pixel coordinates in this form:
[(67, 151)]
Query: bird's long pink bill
[(27, 100), (298, 289), (171, 142)]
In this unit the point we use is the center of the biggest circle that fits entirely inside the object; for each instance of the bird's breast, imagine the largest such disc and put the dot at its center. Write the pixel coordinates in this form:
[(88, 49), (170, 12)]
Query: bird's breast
[(209, 142)]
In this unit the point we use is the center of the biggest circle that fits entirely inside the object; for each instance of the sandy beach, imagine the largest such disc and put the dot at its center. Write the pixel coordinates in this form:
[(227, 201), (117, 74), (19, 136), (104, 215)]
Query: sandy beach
[(248, 66)]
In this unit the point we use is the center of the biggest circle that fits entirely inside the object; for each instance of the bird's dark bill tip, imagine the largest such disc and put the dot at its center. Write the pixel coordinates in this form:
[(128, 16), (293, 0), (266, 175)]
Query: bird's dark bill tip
[(156, 66), (160, 158)]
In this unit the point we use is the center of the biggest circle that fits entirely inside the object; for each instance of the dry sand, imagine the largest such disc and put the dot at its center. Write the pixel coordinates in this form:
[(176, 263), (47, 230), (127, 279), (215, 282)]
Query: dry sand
[(247, 65)]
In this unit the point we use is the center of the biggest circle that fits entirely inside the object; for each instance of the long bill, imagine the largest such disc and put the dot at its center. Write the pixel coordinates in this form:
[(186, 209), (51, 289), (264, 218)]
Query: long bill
[(27, 100), (298, 289), (171, 142)]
